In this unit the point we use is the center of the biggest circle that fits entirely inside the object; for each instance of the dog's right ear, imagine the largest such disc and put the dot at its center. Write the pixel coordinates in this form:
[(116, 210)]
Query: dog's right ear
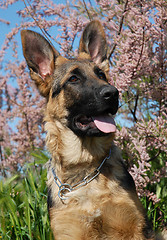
[(40, 57)]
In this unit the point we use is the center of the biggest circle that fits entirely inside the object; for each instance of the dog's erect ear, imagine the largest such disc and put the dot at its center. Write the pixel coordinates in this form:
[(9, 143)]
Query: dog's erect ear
[(93, 42), (40, 57)]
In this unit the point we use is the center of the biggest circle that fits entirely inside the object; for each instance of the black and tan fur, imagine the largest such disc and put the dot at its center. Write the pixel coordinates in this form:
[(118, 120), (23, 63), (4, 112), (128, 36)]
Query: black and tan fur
[(107, 207)]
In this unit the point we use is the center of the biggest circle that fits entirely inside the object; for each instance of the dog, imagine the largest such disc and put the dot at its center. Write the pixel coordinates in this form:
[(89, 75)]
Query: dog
[(91, 195)]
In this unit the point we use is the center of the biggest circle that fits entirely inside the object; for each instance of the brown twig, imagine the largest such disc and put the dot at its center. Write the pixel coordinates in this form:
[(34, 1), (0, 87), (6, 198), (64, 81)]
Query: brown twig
[(72, 43), (7, 99), (90, 3), (44, 32), (133, 73), (89, 16), (119, 31), (140, 56), (153, 158), (1, 154), (133, 112), (129, 100)]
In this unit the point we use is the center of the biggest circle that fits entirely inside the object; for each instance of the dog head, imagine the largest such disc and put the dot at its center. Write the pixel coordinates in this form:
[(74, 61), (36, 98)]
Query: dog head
[(77, 90)]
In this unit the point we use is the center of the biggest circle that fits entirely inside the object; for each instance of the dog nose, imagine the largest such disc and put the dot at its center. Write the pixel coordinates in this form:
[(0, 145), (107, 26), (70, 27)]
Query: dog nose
[(109, 92)]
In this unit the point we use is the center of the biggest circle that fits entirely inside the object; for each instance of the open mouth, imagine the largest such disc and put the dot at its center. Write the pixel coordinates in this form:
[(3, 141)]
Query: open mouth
[(105, 123)]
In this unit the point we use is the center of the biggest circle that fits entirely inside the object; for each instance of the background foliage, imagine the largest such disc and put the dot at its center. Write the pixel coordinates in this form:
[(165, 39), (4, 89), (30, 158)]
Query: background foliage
[(23, 204), (137, 36)]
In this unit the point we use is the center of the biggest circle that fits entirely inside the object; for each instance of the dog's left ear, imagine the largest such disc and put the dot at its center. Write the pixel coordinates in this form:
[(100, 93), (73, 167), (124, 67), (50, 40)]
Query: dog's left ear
[(93, 42)]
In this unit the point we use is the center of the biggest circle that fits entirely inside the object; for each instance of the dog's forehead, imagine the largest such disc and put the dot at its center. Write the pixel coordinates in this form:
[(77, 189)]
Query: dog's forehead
[(80, 63), (66, 68)]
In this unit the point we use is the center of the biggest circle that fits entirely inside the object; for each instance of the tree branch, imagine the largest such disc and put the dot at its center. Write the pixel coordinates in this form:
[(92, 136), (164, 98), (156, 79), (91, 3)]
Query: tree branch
[(133, 73), (140, 55), (1, 154), (133, 112), (90, 17), (119, 31), (34, 17), (153, 158)]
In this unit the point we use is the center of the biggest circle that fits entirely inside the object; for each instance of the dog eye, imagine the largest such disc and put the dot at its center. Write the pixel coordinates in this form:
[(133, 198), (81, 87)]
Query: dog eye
[(101, 75), (73, 79)]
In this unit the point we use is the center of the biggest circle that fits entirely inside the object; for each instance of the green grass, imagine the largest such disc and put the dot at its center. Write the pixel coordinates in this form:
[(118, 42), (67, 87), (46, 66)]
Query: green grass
[(23, 204), (157, 212)]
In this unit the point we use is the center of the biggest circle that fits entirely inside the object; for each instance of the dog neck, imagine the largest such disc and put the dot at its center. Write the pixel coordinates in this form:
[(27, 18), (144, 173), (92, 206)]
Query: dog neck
[(64, 188), (74, 158), (70, 151)]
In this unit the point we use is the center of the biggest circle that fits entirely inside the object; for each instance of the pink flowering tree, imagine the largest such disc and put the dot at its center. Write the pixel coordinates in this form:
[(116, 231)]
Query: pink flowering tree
[(137, 37)]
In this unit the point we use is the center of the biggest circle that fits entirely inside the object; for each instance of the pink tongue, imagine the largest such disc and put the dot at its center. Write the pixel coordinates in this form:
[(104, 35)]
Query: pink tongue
[(105, 123)]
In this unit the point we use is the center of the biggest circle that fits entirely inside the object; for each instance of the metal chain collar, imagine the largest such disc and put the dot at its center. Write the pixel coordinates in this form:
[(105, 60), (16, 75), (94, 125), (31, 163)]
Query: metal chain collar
[(64, 188)]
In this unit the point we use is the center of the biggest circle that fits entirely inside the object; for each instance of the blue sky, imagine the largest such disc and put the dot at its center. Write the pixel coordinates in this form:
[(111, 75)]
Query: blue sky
[(10, 14)]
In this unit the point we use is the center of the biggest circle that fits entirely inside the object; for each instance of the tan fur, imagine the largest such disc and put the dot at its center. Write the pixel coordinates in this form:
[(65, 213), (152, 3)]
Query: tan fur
[(106, 208), (100, 210)]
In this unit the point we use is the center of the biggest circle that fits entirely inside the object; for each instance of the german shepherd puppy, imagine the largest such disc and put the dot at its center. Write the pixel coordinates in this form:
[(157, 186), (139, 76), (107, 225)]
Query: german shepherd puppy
[(91, 195)]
